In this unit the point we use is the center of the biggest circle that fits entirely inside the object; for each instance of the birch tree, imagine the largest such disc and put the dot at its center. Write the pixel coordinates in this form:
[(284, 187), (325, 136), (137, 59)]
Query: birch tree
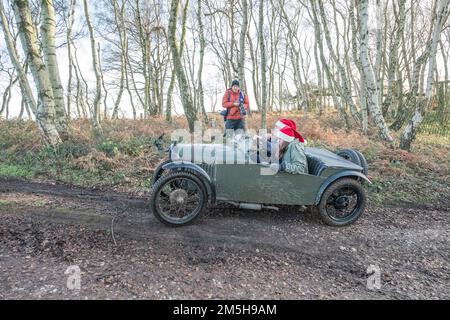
[(200, 65), (242, 42), (332, 83), (409, 134), (186, 98), (14, 56), (393, 55), (369, 76), (262, 47), (70, 22), (96, 66), (344, 85), (7, 93), (45, 113), (48, 30)]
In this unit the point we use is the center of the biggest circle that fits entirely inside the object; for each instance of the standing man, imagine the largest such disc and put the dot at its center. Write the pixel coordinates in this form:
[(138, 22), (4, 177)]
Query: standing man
[(237, 106)]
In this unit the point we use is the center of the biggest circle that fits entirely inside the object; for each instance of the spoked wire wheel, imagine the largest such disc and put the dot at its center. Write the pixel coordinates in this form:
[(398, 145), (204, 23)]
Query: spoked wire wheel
[(178, 198), (343, 202)]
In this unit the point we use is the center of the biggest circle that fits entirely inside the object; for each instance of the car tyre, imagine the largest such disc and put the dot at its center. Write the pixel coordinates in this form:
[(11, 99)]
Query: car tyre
[(174, 190), (337, 197), (350, 155)]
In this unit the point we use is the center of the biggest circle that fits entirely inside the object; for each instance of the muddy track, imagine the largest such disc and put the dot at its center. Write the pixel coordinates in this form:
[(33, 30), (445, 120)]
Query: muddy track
[(124, 252)]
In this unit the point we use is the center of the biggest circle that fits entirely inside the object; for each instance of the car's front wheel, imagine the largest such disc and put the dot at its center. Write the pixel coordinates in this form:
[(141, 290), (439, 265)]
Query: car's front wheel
[(178, 198), (343, 202)]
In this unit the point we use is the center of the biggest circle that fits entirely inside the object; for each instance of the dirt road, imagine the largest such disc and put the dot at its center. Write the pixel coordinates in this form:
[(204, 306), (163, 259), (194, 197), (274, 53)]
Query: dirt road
[(123, 252)]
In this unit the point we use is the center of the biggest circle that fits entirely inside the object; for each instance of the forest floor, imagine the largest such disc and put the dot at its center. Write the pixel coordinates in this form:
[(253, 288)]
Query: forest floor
[(124, 252)]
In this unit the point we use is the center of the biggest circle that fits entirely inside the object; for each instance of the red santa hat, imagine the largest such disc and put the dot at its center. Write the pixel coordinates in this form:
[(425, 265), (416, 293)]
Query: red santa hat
[(286, 122), (286, 134), (289, 128)]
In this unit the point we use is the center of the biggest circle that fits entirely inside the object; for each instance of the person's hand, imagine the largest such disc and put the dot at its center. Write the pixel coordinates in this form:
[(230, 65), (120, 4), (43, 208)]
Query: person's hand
[(236, 104)]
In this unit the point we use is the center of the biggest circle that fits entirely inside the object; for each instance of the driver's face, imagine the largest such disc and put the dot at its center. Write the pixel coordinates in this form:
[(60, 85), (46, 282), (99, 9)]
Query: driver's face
[(235, 88)]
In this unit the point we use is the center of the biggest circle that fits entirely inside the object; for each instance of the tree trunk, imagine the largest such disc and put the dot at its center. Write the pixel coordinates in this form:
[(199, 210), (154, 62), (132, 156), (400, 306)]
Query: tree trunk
[(7, 94), (262, 48), (369, 76), (356, 57), (343, 87), (186, 98), (45, 115), (244, 27), (118, 20), (393, 56), (48, 30), (70, 55), (202, 40), (25, 87), (96, 66), (173, 78), (105, 96), (409, 134), (329, 75)]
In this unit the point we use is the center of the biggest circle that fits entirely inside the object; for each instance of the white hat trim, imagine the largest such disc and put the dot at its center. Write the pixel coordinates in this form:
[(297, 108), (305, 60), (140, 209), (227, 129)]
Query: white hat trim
[(280, 124), (284, 136)]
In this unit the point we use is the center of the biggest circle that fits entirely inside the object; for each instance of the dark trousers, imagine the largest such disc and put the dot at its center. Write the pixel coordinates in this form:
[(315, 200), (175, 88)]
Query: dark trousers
[(235, 124)]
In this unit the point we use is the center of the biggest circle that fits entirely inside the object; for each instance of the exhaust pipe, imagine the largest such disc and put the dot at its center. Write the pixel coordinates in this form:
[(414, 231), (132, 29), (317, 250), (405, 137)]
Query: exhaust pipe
[(252, 206)]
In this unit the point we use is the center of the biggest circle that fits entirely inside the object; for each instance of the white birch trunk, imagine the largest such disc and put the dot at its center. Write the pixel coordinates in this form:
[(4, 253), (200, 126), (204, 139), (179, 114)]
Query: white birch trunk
[(96, 66), (343, 87), (45, 114), (369, 76), (70, 56), (409, 134), (262, 48), (202, 41), (183, 83), (48, 30), (242, 37), (393, 58), (26, 91)]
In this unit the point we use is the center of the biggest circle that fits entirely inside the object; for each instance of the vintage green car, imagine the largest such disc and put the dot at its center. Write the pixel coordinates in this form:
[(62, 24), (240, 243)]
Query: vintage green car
[(198, 175)]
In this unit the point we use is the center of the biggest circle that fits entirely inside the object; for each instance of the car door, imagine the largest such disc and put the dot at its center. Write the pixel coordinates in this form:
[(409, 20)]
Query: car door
[(251, 183)]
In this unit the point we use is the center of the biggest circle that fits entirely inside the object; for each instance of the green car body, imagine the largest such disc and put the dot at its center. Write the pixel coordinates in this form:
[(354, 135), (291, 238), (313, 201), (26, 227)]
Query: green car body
[(240, 180)]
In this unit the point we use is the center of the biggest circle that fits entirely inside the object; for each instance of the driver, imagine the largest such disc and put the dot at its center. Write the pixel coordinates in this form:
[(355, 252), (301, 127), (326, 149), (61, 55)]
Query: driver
[(291, 148)]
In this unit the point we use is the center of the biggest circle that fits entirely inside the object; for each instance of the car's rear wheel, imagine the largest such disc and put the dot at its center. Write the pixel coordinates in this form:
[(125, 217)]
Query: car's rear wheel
[(343, 202), (178, 198), (350, 155)]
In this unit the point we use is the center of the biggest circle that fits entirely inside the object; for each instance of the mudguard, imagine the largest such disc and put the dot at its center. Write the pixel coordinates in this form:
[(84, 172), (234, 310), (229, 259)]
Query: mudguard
[(337, 176), (194, 169)]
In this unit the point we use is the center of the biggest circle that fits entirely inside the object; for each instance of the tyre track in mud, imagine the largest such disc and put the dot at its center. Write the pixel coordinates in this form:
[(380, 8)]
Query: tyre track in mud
[(409, 243)]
